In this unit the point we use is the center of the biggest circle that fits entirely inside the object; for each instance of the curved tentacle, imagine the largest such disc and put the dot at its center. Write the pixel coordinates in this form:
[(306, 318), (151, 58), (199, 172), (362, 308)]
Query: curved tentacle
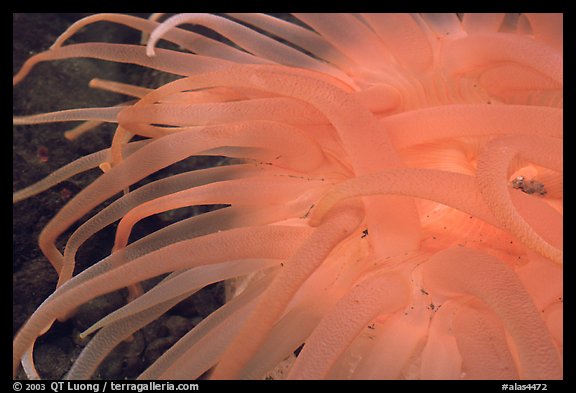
[(296, 270), (381, 293), (467, 271), (492, 175)]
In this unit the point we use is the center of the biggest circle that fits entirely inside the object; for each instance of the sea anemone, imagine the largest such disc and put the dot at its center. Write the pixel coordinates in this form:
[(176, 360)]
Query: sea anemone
[(390, 206)]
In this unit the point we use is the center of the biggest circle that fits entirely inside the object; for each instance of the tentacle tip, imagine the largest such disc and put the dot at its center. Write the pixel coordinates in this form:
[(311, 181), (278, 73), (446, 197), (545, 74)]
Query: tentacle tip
[(94, 82), (105, 167), (69, 135), (315, 219), (150, 51)]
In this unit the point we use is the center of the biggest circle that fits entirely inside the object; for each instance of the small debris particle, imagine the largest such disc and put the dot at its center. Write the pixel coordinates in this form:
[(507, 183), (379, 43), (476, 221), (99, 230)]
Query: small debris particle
[(42, 154), (65, 194), (528, 186), (308, 212), (298, 350)]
